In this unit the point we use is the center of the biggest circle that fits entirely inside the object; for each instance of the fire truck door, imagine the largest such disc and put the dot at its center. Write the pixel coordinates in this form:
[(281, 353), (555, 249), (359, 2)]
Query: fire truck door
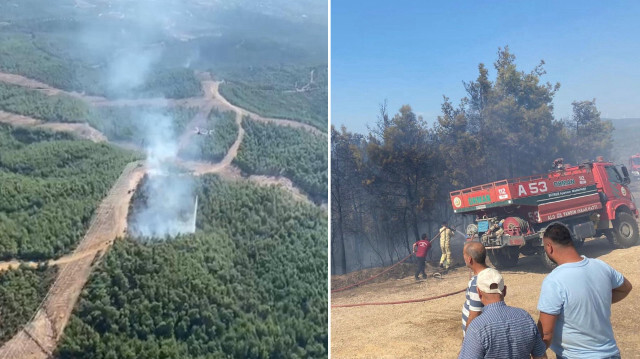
[(616, 189)]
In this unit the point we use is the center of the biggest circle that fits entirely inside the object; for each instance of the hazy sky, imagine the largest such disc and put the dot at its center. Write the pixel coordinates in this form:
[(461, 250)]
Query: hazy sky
[(413, 52)]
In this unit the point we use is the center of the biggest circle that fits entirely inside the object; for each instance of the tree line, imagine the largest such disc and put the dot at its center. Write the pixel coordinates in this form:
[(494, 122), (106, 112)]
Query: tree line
[(250, 283), (21, 291), (282, 92), (273, 150), (388, 184), (134, 124), (50, 187), (38, 56)]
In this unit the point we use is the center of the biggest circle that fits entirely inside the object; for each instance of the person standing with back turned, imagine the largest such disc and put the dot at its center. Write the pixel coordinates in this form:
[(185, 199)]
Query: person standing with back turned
[(575, 300), (474, 255), (445, 236), (423, 247), (502, 331)]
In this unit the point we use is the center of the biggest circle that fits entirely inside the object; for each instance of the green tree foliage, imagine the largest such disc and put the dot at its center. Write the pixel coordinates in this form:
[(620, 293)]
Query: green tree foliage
[(284, 92), (222, 131), (171, 83), (21, 54), (21, 291), (510, 122), (404, 167), (132, 124), (251, 283), (274, 150), (46, 57), (593, 136), (27, 102), (50, 186), (503, 128)]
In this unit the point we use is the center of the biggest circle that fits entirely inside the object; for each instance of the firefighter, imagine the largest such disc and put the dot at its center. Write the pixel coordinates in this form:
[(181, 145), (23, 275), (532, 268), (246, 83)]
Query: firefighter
[(445, 235), (423, 247)]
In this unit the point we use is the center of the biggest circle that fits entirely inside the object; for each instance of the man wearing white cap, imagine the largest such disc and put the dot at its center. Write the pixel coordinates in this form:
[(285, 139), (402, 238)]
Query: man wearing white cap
[(501, 331)]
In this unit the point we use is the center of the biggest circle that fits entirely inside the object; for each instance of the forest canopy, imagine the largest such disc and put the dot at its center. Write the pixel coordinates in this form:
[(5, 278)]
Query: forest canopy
[(250, 283), (21, 291), (51, 185), (294, 93), (297, 154)]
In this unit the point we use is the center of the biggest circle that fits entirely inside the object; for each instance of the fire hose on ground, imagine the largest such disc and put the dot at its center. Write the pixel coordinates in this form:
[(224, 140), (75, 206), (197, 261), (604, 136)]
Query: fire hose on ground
[(399, 302), (389, 303), (381, 273)]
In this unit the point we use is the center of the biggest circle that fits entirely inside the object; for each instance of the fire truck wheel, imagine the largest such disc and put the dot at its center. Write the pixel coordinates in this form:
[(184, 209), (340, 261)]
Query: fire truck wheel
[(504, 258), (625, 231), (546, 261)]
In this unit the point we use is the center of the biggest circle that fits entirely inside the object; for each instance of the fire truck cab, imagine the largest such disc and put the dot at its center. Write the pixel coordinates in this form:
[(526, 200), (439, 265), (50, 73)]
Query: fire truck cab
[(634, 165), (592, 199)]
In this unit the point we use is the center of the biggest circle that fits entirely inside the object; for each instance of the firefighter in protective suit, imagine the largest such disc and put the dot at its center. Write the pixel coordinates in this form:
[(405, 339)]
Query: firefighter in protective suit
[(445, 236)]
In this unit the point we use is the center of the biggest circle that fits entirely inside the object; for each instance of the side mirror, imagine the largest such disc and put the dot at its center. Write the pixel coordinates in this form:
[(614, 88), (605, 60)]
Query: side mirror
[(625, 173)]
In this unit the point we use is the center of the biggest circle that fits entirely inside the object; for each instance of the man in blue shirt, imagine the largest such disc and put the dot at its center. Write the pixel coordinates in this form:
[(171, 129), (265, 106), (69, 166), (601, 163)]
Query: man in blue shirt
[(575, 300), (501, 331)]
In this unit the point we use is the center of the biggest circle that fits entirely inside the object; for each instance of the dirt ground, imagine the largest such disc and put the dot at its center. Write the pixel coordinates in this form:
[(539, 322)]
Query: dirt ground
[(433, 329)]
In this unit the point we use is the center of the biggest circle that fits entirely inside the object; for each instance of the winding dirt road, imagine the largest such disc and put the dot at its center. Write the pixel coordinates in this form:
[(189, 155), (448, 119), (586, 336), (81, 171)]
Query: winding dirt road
[(39, 337)]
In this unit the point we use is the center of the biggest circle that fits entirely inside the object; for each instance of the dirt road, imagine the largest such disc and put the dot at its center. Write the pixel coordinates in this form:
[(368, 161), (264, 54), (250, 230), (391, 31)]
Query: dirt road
[(222, 103), (211, 99), (82, 130), (39, 337), (433, 329)]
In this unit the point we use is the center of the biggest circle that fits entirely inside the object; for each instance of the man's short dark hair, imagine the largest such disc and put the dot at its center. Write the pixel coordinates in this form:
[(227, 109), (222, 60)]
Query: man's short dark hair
[(424, 236), (477, 252), (558, 233), (444, 223)]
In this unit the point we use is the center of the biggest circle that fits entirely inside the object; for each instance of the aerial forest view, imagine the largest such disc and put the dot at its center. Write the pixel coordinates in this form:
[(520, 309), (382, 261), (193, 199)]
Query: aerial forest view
[(163, 179)]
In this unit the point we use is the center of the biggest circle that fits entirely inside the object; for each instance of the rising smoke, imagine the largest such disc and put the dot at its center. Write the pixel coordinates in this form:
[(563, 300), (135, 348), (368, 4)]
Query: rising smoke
[(126, 39)]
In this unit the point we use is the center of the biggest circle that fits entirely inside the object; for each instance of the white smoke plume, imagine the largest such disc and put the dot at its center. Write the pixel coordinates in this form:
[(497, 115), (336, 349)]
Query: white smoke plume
[(169, 206), (127, 41)]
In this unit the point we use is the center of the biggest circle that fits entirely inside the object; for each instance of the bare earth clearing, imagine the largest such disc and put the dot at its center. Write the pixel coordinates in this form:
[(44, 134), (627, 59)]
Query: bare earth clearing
[(433, 329)]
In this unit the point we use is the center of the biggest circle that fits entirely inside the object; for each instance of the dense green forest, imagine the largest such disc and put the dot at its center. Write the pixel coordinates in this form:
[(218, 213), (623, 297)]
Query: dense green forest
[(50, 186), (22, 54), (222, 131), (284, 151), (21, 291), (43, 57), (251, 283), (132, 124), (389, 184), (284, 92), (32, 103)]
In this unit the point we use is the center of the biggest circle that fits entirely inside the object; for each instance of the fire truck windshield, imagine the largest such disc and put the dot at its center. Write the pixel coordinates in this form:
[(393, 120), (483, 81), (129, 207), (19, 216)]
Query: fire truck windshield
[(635, 160)]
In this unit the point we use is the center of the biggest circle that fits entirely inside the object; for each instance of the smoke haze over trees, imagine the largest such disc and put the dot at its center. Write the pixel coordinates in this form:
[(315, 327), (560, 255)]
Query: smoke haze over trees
[(389, 186)]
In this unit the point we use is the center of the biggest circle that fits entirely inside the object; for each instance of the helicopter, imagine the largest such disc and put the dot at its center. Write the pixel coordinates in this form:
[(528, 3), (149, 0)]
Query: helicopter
[(203, 131)]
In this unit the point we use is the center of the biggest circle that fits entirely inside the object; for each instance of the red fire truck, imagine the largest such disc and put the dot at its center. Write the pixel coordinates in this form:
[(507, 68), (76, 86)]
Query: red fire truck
[(592, 199)]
